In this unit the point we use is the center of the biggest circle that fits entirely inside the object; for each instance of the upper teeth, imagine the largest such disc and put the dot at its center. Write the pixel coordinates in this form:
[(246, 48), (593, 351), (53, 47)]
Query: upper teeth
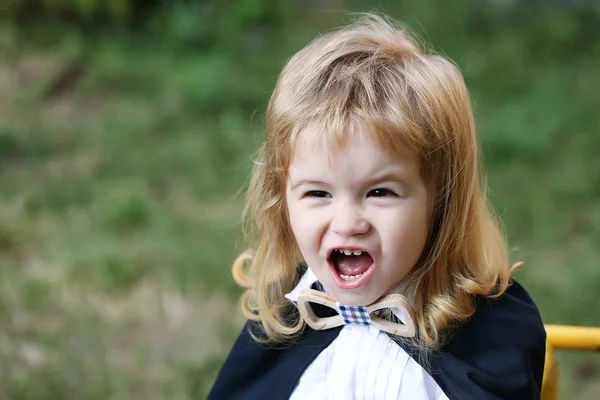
[(350, 252)]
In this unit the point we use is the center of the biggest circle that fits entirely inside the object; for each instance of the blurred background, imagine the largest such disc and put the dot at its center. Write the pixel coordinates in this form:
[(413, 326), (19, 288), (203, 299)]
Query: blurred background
[(127, 129)]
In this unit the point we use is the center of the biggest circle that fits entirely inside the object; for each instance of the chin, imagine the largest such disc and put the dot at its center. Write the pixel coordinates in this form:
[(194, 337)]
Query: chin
[(350, 300)]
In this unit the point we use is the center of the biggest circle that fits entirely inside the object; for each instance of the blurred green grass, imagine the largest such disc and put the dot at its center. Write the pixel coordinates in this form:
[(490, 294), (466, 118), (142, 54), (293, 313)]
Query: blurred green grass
[(120, 205)]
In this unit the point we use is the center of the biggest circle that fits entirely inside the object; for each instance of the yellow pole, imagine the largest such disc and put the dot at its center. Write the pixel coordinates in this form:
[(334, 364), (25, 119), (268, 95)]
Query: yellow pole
[(562, 337), (550, 382), (573, 337)]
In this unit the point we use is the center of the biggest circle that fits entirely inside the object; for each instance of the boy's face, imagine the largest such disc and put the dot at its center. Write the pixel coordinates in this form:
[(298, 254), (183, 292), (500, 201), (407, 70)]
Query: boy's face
[(359, 199)]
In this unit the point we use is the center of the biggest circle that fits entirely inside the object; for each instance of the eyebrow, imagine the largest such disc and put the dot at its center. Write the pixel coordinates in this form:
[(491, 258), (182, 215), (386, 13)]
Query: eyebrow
[(386, 177), (306, 182)]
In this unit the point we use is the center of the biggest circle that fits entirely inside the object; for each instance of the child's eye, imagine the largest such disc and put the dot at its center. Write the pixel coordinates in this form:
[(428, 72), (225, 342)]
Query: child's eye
[(380, 192), (317, 193)]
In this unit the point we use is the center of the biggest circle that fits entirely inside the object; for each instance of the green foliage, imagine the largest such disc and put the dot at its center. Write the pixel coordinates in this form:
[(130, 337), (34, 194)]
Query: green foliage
[(182, 21), (83, 10), (209, 24), (119, 218)]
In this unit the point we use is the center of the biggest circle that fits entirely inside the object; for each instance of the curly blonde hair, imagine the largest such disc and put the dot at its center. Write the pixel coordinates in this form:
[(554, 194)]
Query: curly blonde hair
[(373, 73)]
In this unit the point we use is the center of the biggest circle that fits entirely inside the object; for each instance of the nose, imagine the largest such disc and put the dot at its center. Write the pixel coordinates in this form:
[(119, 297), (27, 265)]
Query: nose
[(348, 219)]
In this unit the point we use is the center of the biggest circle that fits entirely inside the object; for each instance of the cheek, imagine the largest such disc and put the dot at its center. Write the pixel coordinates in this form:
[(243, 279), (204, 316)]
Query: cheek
[(419, 239), (408, 237), (307, 226), (293, 213), (298, 222)]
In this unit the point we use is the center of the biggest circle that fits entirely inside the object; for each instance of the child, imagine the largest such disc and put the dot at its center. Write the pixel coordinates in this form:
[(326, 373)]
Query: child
[(378, 270)]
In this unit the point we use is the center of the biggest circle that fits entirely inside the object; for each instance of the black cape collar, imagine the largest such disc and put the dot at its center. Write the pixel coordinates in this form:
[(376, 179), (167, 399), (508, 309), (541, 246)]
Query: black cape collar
[(497, 354)]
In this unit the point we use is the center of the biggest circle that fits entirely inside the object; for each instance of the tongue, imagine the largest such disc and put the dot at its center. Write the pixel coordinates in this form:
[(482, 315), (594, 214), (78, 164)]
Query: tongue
[(353, 265)]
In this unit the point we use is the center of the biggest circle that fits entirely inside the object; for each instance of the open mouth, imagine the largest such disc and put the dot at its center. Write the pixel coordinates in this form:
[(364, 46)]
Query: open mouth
[(351, 264)]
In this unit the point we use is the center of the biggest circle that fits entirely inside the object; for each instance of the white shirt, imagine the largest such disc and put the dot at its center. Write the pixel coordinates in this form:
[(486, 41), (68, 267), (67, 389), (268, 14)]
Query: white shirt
[(363, 363)]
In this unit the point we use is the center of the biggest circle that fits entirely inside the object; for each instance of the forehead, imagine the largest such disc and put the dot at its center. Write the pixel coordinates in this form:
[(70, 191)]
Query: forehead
[(354, 155), (312, 141)]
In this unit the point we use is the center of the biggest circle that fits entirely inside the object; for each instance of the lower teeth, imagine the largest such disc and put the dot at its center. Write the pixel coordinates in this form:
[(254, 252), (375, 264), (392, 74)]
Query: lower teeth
[(351, 277)]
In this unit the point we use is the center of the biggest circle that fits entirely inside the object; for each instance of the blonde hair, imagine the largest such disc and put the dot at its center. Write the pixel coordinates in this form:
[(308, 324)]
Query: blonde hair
[(372, 74)]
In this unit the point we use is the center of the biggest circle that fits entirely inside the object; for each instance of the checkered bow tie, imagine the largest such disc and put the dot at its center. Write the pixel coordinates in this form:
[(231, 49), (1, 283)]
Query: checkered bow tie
[(355, 314)]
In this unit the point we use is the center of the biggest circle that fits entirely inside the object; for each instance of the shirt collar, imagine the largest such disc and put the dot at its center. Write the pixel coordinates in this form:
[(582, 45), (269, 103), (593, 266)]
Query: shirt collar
[(306, 281)]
